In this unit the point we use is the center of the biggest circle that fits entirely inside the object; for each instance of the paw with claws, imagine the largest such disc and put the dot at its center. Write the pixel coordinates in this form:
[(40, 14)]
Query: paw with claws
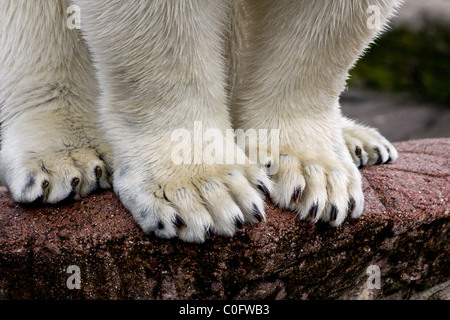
[(316, 175), (193, 202), (318, 189), (366, 145), (51, 158)]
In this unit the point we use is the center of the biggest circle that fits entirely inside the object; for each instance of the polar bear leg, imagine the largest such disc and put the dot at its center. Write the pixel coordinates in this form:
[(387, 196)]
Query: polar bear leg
[(296, 68), (51, 149), (161, 71)]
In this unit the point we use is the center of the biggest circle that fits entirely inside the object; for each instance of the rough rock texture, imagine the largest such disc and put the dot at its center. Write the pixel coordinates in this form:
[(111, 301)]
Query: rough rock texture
[(404, 232)]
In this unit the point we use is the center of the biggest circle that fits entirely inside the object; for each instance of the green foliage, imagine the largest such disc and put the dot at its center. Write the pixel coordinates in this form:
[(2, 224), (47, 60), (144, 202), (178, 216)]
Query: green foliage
[(407, 60)]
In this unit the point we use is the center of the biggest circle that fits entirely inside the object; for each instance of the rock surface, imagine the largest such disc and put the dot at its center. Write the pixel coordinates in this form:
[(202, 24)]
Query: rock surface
[(404, 232)]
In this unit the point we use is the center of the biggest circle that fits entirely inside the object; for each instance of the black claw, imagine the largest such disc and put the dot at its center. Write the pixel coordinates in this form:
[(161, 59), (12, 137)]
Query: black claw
[(239, 223), (389, 157), (257, 214), (179, 222), (351, 205), (360, 165), (210, 232), (263, 188), (98, 172), (75, 182), (268, 166), (358, 152), (313, 211), (160, 226), (334, 212), (379, 159), (297, 195), (45, 184)]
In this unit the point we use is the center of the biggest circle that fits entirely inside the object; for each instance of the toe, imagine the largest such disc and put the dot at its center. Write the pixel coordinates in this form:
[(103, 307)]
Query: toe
[(246, 196), (289, 182), (314, 196), (197, 219), (94, 171), (224, 211), (338, 197), (259, 180)]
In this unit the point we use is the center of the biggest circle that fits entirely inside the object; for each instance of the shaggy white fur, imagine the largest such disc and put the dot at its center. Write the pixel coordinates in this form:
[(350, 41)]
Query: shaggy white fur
[(80, 111)]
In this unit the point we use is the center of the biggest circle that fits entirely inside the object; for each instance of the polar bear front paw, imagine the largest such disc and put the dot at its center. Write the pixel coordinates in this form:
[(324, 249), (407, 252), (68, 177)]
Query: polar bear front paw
[(325, 188), (193, 202), (55, 175), (49, 157)]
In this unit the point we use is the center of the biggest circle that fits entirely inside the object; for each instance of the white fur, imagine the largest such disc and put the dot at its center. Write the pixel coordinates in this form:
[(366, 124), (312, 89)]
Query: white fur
[(48, 111), (290, 77), (153, 67)]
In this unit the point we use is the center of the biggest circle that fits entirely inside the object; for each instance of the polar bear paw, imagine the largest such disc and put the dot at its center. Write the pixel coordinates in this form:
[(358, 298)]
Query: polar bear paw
[(49, 157), (193, 202), (56, 175), (320, 189), (367, 146)]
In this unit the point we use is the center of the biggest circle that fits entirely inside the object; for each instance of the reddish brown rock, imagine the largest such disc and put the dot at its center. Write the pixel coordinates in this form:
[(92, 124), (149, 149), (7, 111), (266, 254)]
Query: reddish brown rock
[(404, 231)]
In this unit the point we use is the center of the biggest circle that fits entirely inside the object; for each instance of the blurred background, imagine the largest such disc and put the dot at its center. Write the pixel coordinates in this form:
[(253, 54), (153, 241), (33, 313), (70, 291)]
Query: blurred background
[(402, 84)]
